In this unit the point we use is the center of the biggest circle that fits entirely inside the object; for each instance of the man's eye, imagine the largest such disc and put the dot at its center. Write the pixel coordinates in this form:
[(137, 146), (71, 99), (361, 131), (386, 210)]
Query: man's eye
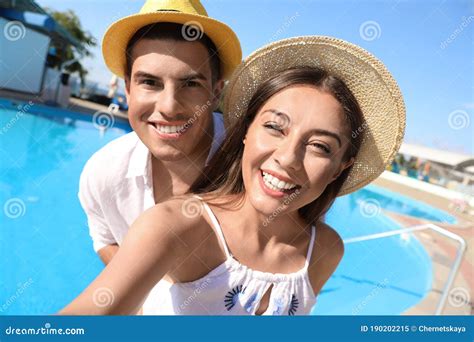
[(273, 126), (192, 84), (148, 82)]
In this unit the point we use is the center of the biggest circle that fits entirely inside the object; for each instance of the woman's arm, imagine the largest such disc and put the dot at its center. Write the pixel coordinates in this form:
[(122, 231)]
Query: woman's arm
[(152, 248), (327, 253)]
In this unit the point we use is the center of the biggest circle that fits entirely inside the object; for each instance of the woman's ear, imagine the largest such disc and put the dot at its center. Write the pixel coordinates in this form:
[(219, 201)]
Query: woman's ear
[(342, 167)]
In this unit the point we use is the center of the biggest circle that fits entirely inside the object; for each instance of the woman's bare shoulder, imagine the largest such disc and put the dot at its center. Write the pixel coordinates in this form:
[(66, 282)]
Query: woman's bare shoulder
[(327, 253), (180, 217), (329, 240)]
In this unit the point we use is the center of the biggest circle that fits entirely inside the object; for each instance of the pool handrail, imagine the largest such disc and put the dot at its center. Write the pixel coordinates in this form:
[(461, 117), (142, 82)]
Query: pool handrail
[(457, 262)]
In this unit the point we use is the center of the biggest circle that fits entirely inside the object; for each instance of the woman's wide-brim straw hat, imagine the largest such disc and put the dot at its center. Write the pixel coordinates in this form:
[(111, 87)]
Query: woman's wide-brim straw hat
[(189, 13), (375, 89)]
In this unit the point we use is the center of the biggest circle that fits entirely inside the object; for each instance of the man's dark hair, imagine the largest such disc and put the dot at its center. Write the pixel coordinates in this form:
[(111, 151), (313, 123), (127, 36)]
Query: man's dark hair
[(172, 31)]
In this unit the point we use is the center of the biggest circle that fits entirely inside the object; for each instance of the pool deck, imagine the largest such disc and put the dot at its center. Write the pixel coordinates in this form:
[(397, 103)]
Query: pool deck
[(86, 107), (75, 104), (442, 251)]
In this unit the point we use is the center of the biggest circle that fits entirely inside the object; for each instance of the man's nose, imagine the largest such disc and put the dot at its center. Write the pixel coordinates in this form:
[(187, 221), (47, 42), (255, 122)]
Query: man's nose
[(167, 102)]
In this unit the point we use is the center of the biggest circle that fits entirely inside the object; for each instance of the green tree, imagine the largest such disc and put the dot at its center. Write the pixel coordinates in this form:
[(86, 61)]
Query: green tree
[(65, 53)]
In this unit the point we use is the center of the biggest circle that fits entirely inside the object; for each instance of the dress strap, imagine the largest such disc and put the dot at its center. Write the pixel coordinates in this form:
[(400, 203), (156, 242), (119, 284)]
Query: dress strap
[(216, 225), (311, 245)]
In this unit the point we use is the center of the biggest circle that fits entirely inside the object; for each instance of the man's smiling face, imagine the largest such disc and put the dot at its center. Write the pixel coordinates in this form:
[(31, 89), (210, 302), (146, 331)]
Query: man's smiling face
[(171, 97)]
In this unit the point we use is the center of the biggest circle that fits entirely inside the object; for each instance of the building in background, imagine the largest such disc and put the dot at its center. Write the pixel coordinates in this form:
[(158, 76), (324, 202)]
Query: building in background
[(28, 50)]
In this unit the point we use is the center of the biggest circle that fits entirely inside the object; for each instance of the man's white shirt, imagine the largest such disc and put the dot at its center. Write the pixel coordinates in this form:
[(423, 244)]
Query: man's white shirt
[(116, 185)]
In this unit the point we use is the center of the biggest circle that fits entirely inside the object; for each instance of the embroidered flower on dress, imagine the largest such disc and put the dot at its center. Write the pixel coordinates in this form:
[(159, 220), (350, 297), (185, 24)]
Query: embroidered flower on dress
[(293, 305), (232, 296), (278, 307), (248, 305)]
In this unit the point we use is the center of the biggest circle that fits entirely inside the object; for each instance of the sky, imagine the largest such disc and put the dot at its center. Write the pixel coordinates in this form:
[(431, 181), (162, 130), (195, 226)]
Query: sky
[(428, 46)]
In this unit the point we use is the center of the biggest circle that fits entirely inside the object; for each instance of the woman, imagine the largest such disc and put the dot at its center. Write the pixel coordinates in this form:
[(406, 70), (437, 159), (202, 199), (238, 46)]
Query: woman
[(312, 118)]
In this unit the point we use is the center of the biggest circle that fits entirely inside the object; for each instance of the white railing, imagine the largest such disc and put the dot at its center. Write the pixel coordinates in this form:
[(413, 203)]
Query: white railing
[(457, 262)]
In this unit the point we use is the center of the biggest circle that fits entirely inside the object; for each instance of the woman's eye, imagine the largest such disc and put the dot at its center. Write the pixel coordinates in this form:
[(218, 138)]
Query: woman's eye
[(274, 127), (321, 147)]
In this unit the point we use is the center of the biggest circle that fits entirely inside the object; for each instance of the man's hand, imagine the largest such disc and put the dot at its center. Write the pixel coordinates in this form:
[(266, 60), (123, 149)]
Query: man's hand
[(107, 253)]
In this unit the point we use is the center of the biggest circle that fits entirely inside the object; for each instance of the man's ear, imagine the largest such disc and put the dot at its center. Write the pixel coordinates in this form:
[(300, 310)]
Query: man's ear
[(342, 167), (217, 91), (127, 88)]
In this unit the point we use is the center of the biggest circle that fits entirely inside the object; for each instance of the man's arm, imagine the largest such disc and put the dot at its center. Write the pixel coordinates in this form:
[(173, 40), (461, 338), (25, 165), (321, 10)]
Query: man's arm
[(91, 191)]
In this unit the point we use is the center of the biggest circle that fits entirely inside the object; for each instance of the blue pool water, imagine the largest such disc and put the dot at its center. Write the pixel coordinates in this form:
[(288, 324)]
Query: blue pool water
[(393, 201), (46, 255), (377, 277)]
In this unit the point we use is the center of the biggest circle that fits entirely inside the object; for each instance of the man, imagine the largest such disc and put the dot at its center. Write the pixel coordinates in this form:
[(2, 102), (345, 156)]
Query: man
[(174, 60)]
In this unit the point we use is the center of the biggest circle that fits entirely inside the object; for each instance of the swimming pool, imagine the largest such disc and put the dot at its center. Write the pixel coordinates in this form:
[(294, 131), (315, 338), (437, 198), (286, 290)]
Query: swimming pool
[(45, 250), (46, 255), (377, 277)]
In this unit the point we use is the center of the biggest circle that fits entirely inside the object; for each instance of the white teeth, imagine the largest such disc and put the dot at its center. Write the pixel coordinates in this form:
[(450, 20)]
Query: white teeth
[(169, 129), (275, 183)]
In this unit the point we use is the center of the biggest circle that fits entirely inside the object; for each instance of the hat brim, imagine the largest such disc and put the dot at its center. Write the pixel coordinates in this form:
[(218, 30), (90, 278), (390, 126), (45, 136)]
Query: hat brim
[(118, 35), (375, 89)]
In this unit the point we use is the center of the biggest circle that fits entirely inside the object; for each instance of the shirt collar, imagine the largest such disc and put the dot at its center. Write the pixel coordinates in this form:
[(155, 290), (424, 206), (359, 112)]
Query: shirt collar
[(139, 160)]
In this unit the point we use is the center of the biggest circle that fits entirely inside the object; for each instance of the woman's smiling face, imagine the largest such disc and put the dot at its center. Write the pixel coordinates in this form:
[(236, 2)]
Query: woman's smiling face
[(293, 149)]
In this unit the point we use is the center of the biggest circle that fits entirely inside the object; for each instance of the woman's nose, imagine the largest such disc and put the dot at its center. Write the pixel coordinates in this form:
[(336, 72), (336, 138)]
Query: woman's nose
[(289, 155)]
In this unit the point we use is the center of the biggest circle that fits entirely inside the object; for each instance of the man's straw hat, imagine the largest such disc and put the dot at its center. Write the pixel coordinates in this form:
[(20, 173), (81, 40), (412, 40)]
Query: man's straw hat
[(190, 13)]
